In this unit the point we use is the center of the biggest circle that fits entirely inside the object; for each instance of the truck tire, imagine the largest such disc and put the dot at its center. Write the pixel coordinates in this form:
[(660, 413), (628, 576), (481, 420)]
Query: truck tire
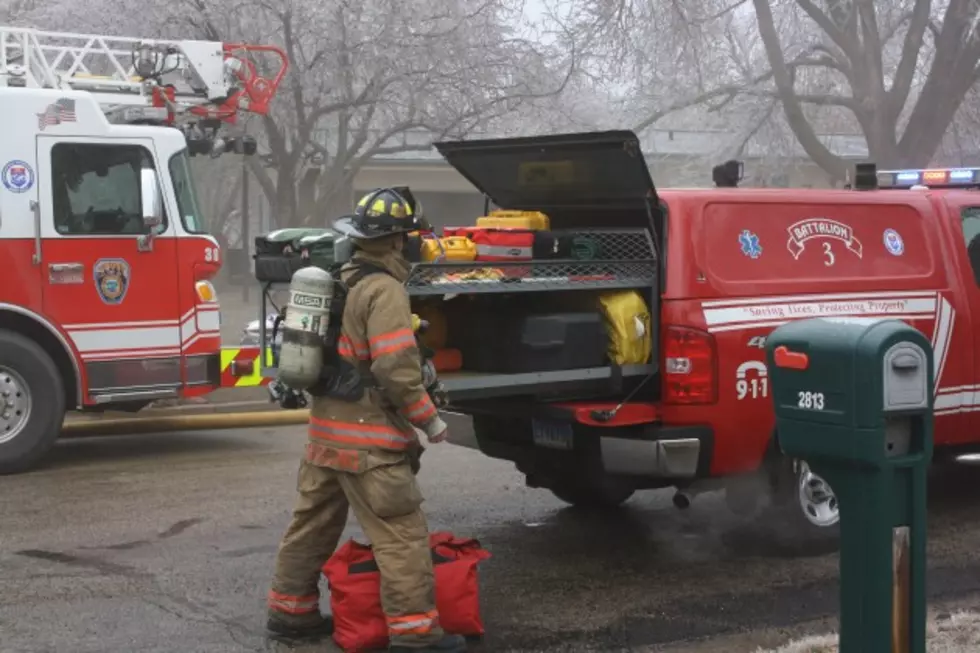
[(32, 402), (804, 516), (591, 496)]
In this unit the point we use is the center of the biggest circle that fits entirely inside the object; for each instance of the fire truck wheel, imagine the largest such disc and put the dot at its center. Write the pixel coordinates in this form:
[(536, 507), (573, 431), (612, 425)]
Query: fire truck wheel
[(32, 402)]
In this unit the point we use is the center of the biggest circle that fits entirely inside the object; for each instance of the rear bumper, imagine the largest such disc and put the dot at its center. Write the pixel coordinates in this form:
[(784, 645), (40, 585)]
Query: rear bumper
[(650, 452), (660, 451)]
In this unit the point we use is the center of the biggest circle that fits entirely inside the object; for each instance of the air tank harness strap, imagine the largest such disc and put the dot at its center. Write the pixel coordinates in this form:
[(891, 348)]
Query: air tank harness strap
[(276, 323)]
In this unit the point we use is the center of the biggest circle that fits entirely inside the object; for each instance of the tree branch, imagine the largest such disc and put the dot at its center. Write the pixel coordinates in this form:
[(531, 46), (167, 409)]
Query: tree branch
[(824, 22), (905, 72), (727, 93), (817, 99), (949, 79), (784, 84)]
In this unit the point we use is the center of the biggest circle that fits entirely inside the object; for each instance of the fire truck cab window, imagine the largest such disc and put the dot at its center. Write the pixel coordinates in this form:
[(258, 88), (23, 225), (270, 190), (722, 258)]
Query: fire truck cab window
[(971, 235), (96, 189)]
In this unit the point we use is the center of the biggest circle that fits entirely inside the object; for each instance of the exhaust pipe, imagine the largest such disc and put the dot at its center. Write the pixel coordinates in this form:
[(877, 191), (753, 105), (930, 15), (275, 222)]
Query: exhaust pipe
[(683, 499), (685, 495)]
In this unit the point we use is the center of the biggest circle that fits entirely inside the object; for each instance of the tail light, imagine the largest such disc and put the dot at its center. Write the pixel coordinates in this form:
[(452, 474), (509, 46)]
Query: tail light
[(690, 374)]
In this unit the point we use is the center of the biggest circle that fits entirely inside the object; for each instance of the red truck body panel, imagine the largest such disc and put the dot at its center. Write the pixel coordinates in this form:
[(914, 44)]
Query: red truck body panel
[(741, 262)]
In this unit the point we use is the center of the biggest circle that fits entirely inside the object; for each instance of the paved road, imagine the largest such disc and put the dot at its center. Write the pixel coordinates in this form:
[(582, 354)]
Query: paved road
[(165, 544)]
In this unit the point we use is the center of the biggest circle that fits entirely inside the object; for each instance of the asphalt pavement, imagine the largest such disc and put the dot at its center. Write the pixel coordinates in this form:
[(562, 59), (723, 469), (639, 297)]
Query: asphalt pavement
[(165, 543)]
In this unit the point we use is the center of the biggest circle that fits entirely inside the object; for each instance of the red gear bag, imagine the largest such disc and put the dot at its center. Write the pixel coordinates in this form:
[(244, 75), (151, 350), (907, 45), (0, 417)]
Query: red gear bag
[(355, 591), (498, 244)]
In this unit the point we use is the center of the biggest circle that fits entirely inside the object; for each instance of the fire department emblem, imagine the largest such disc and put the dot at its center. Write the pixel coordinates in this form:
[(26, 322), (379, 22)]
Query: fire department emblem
[(111, 279), (17, 176)]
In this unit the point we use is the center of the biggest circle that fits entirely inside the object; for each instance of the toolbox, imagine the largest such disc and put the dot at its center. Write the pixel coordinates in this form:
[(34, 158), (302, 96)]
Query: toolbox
[(508, 343)]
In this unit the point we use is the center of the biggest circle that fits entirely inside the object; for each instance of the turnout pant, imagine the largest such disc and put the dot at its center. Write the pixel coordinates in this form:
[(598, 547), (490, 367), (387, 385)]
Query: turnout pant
[(386, 501)]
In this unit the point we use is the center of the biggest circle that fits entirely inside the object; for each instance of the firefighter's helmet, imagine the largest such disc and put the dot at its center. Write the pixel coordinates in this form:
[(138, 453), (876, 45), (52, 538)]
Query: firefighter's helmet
[(383, 212)]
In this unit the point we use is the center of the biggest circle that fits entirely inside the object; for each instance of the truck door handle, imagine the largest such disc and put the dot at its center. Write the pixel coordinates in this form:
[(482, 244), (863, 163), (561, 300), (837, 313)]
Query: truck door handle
[(792, 360)]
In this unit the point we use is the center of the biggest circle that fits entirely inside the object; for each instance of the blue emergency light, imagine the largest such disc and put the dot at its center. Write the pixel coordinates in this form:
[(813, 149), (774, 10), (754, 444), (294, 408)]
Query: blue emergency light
[(931, 177)]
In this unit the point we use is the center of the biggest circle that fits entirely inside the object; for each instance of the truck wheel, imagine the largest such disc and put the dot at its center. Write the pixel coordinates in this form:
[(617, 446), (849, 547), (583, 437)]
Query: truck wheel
[(32, 403), (592, 496), (804, 515)]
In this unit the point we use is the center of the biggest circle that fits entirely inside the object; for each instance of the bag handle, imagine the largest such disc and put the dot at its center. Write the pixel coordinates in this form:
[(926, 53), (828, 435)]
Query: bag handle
[(459, 544)]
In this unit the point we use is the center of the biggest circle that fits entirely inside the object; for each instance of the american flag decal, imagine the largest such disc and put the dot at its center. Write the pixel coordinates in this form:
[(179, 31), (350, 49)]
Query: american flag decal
[(61, 111)]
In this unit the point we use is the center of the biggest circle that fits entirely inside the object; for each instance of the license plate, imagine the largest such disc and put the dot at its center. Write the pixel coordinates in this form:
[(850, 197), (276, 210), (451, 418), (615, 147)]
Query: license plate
[(553, 435)]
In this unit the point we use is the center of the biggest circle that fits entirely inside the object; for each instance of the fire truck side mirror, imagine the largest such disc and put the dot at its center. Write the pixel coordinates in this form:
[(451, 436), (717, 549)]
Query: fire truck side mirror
[(152, 199)]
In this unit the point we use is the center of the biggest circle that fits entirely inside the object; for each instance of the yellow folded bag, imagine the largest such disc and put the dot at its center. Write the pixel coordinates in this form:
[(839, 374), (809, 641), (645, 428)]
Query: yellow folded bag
[(628, 324)]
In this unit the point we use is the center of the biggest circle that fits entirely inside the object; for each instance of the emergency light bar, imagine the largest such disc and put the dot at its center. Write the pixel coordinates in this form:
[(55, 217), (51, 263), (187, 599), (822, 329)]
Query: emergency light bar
[(932, 177)]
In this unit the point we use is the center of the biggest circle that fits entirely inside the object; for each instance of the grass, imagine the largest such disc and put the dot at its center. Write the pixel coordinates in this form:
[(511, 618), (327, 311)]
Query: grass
[(957, 633)]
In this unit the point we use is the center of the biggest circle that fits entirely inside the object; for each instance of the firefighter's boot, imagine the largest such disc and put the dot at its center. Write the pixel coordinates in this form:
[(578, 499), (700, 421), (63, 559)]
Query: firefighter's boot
[(306, 627), (448, 644)]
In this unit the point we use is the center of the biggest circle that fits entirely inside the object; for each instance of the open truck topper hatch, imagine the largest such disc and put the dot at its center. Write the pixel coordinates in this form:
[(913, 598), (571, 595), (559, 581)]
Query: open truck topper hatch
[(551, 173)]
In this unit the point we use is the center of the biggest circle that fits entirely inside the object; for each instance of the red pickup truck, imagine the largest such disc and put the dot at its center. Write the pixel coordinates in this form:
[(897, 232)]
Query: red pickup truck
[(719, 268)]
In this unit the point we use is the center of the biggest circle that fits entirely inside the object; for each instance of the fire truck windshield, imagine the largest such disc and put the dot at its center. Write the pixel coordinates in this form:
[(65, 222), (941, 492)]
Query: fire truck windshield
[(187, 203)]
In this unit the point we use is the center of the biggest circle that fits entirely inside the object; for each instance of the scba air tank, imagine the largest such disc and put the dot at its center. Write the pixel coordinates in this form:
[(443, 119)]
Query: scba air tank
[(307, 318)]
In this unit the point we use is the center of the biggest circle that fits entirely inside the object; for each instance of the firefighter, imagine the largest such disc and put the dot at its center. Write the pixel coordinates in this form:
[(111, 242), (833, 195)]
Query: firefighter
[(359, 453)]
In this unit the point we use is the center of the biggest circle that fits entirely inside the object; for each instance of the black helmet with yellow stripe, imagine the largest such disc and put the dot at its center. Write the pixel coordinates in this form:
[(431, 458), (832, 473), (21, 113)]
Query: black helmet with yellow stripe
[(383, 212)]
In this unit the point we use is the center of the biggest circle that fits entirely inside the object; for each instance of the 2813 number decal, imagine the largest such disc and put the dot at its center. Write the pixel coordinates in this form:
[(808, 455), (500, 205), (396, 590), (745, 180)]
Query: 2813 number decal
[(810, 400)]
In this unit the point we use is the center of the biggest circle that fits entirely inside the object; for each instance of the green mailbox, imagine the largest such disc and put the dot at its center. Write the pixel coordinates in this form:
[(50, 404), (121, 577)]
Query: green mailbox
[(853, 398)]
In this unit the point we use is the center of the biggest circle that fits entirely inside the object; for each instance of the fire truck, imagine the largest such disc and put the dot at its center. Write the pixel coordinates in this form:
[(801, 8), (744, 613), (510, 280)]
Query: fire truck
[(107, 300)]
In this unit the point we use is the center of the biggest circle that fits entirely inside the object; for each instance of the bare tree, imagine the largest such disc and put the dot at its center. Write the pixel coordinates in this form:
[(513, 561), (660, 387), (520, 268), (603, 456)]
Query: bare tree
[(898, 71)]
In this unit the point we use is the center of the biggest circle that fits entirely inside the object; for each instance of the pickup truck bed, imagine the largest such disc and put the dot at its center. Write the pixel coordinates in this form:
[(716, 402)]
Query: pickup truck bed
[(627, 261)]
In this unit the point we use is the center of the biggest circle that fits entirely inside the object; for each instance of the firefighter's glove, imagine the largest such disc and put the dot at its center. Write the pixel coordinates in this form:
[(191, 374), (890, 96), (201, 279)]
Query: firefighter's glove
[(436, 430)]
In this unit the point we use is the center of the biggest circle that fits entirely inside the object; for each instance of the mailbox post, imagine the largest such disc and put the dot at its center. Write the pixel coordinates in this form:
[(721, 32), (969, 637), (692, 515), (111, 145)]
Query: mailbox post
[(853, 398)]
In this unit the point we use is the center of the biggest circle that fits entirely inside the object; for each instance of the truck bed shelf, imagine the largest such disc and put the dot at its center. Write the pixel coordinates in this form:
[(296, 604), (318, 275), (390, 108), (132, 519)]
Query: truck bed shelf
[(480, 385), (624, 259)]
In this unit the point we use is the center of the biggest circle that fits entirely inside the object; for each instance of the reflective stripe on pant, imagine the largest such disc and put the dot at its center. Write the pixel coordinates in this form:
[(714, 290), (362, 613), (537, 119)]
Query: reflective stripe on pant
[(412, 624), (386, 501), (291, 604)]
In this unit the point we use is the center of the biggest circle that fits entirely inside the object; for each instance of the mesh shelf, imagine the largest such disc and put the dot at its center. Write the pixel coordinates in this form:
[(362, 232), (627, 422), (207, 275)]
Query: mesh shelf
[(625, 259)]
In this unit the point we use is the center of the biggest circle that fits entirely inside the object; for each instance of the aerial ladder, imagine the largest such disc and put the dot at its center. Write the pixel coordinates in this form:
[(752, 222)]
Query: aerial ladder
[(196, 86)]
